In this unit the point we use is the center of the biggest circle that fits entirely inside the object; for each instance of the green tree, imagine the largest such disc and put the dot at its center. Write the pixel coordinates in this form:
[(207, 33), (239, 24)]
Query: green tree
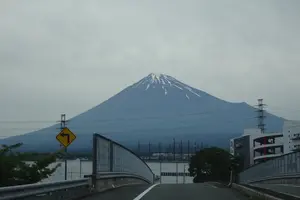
[(212, 164), (14, 171)]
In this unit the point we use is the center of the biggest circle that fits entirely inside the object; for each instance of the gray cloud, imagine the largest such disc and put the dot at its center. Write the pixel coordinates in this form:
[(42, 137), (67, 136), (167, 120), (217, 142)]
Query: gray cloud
[(67, 56)]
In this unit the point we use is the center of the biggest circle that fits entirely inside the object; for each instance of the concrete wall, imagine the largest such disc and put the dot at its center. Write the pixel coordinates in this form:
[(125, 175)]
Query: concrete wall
[(242, 148), (294, 181)]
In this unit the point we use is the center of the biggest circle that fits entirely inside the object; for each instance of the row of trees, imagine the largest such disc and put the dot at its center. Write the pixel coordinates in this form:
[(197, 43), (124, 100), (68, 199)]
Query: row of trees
[(214, 164)]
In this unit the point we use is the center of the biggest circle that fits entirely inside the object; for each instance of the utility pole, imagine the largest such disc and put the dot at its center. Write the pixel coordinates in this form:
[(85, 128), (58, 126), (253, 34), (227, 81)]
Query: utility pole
[(169, 150), (181, 151), (261, 119), (149, 150), (261, 115), (174, 157), (159, 152), (139, 148), (62, 126), (189, 149)]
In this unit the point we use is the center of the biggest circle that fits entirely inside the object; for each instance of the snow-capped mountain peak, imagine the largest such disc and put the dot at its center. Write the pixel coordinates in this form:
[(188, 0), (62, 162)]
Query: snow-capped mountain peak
[(166, 83)]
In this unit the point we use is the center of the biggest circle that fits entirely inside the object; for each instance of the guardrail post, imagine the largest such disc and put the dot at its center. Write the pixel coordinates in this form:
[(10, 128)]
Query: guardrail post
[(94, 174), (111, 156)]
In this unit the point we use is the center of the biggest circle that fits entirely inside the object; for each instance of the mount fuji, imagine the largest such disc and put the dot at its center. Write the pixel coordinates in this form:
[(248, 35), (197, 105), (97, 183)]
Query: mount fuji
[(156, 109)]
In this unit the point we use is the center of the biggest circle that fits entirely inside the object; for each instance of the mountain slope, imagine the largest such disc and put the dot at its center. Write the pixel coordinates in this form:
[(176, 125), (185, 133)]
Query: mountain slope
[(157, 108)]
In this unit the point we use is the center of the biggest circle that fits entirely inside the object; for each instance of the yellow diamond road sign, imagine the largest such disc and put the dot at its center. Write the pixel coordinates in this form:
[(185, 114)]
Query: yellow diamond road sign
[(66, 137)]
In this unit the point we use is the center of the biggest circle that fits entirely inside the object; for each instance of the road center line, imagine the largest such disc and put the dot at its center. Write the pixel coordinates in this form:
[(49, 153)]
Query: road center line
[(145, 192)]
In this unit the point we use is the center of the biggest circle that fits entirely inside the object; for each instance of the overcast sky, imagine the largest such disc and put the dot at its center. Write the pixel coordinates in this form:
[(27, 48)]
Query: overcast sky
[(68, 56)]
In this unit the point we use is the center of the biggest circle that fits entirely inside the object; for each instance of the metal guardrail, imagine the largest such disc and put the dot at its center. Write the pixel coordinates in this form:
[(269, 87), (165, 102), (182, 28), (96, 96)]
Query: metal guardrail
[(109, 156), (110, 161), (30, 190), (111, 175), (285, 166), (40, 190)]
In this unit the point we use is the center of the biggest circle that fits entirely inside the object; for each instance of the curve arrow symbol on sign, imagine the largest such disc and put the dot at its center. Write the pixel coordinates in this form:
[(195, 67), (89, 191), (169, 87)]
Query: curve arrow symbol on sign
[(67, 135)]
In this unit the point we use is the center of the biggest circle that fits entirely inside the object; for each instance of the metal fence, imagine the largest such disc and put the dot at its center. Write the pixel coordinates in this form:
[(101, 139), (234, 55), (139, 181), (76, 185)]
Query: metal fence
[(286, 165), (110, 156)]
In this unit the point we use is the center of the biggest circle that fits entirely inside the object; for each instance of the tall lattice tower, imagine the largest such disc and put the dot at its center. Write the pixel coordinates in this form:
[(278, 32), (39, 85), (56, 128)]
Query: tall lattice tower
[(261, 115)]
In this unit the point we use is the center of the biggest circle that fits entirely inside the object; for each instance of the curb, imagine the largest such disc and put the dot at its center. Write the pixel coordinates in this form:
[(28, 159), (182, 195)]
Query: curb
[(254, 193)]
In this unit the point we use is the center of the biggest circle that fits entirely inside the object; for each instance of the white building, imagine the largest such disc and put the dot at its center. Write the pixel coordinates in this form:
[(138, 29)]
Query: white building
[(267, 146), (255, 146), (291, 132)]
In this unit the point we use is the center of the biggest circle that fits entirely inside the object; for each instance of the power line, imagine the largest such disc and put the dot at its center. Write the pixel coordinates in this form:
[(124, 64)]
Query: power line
[(117, 119), (109, 133), (133, 118), (174, 115), (80, 128), (25, 121), (282, 108)]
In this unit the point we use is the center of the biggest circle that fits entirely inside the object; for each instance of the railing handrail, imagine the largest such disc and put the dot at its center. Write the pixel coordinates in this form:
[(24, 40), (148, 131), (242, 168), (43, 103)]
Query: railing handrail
[(269, 178), (269, 160), (107, 175), (41, 185), (21, 191), (279, 166), (109, 140)]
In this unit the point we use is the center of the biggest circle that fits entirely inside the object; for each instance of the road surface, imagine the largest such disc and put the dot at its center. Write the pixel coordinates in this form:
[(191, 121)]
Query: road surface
[(201, 191)]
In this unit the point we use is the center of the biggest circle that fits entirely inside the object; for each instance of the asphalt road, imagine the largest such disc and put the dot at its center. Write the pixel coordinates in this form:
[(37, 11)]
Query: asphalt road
[(202, 191), (122, 193), (282, 188)]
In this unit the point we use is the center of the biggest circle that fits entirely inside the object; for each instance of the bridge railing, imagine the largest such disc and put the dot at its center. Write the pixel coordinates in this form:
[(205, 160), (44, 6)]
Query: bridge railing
[(113, 166), (71, 189), (280, 168), (109, 156), (47, 191)]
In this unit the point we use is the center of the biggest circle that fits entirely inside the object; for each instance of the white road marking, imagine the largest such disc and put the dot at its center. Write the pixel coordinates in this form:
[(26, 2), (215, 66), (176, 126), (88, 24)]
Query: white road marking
[(145, 192), (213, 186)]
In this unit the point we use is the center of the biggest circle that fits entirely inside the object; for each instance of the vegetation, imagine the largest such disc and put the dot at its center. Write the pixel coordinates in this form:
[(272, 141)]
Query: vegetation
[(15, 171), (213, 164)]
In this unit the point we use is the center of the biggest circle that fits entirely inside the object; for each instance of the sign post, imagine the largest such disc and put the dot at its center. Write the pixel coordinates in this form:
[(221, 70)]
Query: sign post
[(65, 137)]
